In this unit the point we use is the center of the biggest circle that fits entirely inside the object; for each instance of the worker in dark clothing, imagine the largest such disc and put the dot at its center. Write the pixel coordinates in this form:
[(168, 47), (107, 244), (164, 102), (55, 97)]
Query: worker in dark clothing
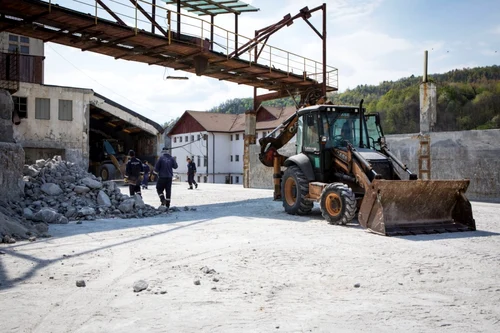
[(164, 168), (133, 174), (191, 166), (145, 180)]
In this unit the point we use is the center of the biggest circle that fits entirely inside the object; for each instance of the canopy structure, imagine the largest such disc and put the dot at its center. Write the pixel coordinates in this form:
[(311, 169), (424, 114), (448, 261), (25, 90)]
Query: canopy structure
[(213, 7)]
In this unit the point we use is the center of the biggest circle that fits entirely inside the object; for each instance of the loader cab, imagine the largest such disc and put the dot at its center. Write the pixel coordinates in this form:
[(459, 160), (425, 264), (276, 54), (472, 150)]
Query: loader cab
[(324, 128)]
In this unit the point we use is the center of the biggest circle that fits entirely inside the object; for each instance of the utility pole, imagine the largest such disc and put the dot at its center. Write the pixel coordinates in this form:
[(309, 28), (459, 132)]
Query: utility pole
[(428, 104)]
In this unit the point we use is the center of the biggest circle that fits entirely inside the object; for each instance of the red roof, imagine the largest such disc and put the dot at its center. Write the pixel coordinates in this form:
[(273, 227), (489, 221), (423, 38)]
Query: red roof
[(195, 121)]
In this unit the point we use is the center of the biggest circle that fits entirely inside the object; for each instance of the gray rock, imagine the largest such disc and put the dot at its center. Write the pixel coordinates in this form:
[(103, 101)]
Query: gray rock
[(81, 189), (93, 184), (69, 179), (31, 171), (80, 283), (47, 215), (71, 212), (207, 270), (140, 285), (197, 281), (162, 209), (357, 285), (86, 211), (51, 189), (62, 220), (28, 213), (139, 203), (40, 163), (103, 199), (215, 279), (127, 206)]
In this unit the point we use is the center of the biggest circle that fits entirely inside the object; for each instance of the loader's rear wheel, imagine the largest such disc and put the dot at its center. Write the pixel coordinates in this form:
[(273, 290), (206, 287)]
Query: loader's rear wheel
[(295, 188), (338, 203)]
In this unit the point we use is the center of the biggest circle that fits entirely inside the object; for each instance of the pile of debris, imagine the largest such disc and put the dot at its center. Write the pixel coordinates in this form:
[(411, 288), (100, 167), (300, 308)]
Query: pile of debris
[(57, 191)]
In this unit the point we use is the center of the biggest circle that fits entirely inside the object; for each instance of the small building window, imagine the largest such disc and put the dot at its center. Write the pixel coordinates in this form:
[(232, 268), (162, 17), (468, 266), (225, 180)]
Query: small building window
[(192, 138), (198, 138), (204, 179), (42, 108), (199, 161), (237, 137), (65, 110), (187, 138), (264, 134), (175, 139), (205, 161), (237, 157), (199, 177), (180, 139), (237, 179), (231, 158), (21, 106), (231, 136), (19, 44)]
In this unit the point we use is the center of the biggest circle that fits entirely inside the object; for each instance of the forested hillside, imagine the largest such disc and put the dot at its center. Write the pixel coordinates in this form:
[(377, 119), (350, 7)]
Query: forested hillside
[(467, 99)]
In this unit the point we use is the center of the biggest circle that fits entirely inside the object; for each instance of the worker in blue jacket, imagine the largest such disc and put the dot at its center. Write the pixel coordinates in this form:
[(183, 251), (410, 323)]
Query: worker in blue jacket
[(164, 168)]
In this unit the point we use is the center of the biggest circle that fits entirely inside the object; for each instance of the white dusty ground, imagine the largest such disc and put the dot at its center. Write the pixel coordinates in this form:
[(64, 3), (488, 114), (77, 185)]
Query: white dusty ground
[(277, 273)]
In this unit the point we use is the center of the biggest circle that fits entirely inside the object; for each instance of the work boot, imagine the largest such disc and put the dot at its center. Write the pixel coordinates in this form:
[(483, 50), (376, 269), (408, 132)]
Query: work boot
[(190, 188)]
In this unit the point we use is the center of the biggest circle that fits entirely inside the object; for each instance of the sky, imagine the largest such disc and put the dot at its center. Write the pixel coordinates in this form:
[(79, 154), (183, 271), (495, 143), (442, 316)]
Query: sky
[(368, 41)]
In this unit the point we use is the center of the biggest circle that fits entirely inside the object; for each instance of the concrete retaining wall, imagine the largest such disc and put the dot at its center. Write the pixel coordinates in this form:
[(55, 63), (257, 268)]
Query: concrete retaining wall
[(454, 155)]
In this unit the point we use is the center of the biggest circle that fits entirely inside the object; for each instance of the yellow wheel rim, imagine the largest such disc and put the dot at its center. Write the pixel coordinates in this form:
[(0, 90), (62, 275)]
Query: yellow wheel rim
[(104, 174), (290, 191), (333, 204)]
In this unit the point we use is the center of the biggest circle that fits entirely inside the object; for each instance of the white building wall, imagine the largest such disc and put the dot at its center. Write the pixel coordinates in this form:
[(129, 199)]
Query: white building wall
[(70, 136)]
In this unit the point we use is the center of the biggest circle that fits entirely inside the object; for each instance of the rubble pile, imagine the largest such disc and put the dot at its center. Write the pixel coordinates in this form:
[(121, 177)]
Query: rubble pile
[(57, 191)]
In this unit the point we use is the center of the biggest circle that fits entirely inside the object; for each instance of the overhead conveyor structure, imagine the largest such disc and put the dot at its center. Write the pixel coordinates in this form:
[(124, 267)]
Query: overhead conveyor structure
[(155, 32)]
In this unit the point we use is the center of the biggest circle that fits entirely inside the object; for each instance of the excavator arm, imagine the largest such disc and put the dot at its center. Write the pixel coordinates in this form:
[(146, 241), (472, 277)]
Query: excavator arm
[(269, 145)]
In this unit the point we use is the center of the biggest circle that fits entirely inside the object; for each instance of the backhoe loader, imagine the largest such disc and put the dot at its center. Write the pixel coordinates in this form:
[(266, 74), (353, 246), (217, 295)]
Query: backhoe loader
[(342, 161)]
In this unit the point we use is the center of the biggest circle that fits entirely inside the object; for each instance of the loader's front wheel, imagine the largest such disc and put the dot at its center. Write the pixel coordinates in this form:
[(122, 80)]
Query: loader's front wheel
[(338, 203), (295, 188)]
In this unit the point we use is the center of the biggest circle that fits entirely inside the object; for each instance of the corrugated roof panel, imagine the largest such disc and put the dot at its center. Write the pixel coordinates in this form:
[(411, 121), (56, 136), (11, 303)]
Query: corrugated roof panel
[(213, 7)]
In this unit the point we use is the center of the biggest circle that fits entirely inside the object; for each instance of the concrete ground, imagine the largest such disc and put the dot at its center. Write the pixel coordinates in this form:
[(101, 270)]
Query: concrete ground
[(273, 273)]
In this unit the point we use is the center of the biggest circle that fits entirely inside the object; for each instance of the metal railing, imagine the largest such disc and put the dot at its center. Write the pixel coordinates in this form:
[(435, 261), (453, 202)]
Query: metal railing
[(196, 30)]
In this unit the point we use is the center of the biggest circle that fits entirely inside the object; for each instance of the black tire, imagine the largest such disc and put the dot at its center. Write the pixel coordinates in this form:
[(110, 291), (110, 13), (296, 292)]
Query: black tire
[(107, 172), (338, 203), (294, 188)]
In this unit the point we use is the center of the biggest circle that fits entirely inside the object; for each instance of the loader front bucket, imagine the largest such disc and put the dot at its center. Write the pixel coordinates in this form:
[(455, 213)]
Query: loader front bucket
[(410, 207)]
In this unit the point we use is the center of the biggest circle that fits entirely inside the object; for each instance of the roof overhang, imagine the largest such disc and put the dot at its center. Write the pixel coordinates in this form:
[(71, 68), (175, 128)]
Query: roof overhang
[(213, 7)]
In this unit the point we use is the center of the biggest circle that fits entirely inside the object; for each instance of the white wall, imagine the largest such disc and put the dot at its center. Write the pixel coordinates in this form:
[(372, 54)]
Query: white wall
[(71, 136)]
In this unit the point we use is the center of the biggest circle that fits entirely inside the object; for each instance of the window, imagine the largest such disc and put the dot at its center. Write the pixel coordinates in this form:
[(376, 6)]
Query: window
[(65, 110), (21, 106), (199, 159), (175, 139), (198, 138), (231, 136), (237, 136), (180, 139), (237, 157), (187, 139), (237, 179), (19, 44), (204, 179), (42, 108), (231, 158), (264, 134), (205, 161), (199, 179), (192, 138)]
